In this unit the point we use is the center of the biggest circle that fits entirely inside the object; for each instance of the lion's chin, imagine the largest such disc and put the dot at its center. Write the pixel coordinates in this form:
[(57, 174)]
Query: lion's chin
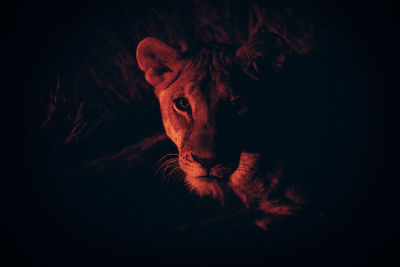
[(207, 186)]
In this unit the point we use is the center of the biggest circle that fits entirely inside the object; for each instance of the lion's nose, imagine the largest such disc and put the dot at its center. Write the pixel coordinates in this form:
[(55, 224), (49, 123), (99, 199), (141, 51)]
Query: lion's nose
[(205, 162)]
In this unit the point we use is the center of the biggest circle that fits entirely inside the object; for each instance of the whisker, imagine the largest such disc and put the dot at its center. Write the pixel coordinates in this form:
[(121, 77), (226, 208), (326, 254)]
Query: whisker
[(166, 163), (167, 155), (175, 170), (171, 172), (169, 169)]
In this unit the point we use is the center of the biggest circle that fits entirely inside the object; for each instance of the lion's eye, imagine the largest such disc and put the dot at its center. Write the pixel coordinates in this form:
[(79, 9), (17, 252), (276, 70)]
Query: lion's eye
[(182, 104), (237, 103), (238, 106)]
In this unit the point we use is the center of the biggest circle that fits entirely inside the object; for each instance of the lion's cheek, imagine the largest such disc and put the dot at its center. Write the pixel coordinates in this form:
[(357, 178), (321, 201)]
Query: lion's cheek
[(175, 128), (172, 123), (174, 133)]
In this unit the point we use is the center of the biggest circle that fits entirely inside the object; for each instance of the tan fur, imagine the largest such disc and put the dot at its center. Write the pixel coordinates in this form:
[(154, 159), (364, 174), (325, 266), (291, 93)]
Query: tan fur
[(204, 80)]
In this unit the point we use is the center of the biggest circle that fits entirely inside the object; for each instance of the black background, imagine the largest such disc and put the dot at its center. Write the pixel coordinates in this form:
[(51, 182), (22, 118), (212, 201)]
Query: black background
[(56, 219)]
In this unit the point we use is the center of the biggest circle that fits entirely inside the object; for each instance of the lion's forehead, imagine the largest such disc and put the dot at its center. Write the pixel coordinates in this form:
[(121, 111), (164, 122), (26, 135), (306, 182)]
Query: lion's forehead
[(206, 82), (202, 84)]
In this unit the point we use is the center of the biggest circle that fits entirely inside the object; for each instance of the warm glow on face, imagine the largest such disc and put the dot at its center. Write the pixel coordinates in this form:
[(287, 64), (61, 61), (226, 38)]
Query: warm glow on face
[(194, 113), (202, 99)]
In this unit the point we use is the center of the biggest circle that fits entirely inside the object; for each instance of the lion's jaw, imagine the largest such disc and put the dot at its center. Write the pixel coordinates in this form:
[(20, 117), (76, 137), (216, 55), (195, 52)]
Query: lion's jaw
[(245, 170)]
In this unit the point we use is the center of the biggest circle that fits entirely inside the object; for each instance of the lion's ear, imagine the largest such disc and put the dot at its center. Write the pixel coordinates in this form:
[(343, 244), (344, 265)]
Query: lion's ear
[(262, 54), (159, 61)]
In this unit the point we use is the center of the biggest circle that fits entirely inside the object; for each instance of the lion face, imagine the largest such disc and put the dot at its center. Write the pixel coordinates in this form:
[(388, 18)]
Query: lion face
[(202, 114), (204, 109)]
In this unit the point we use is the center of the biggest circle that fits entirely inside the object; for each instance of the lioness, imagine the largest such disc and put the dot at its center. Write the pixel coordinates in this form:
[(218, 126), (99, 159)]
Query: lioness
[(211, 111)]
